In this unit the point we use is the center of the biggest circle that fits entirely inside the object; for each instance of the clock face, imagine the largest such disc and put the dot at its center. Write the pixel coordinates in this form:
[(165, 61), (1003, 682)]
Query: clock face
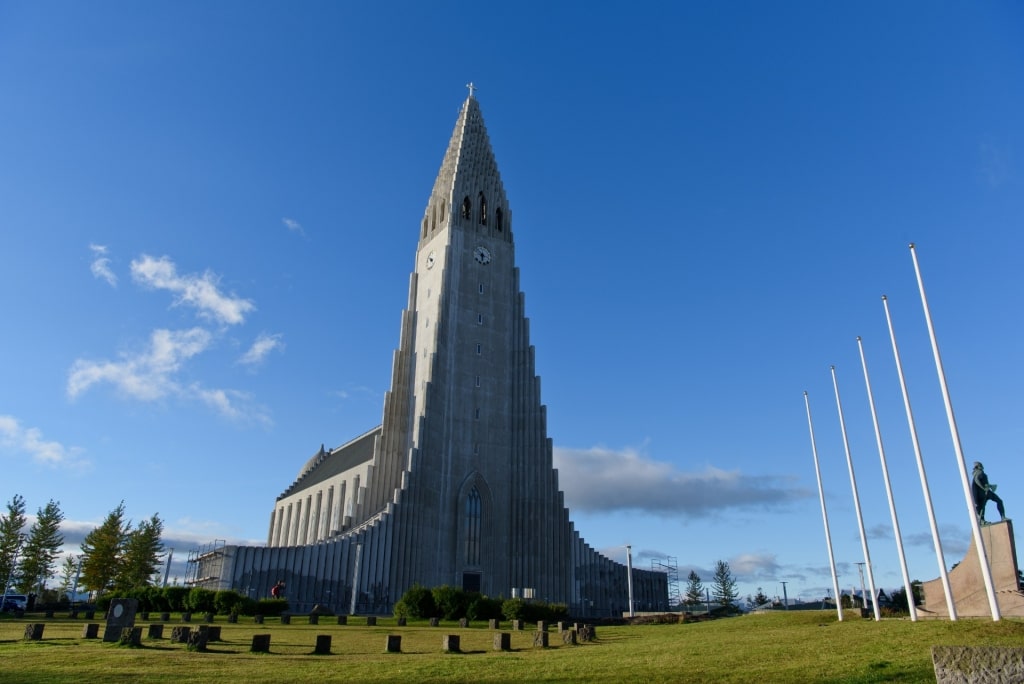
[(430, 260), (482, 255)]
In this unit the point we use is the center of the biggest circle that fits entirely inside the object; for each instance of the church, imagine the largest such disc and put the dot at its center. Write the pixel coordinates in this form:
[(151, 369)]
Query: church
[(456, 486)]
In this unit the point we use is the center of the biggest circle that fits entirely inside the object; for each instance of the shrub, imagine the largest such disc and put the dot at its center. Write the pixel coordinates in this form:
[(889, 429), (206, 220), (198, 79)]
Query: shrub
[(417, 602), (174, 598), (227, 602), (451, 602), (200, 600), (483, 608), (271, 607), (534, 611)]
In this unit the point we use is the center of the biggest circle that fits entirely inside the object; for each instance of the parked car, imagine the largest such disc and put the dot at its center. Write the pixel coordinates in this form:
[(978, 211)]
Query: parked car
[(15, 602)]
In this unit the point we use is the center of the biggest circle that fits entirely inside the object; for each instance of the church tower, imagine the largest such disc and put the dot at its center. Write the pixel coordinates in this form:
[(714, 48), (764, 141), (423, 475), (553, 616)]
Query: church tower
[(456, 486)]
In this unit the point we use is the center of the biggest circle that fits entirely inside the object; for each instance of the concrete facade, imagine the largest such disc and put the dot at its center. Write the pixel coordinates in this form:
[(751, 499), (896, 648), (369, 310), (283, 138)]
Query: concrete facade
[(457, 485)]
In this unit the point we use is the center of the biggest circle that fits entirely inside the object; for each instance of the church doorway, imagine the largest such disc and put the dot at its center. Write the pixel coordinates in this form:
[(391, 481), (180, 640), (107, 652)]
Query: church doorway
[(471, 582)]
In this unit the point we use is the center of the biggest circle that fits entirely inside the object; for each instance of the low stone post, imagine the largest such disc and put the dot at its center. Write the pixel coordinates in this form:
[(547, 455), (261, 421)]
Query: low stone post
[(144, 616), (156, 631), (542, 626), (197, 640), (540, 639), (517, 625), (286, 619), (343, 619), (34, 631), (131, 636), (494, 624), (463, 622), (233, 619), (260, 643), (91, 631), (186, 617), (48, 613), (402, 622), (394, 643), (371, 621), (323, 644), (314, 619), (208, 618), (165, 617), (450, 643), (90, 614), (503, 642), (258, 619), (180, 635), (434, 622), (569, 637), (213, 633)]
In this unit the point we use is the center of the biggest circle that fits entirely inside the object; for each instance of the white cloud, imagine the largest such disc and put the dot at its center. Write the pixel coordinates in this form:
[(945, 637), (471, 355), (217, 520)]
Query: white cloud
[(193, 289), (231, 404), (603, 480), (30, 441), (293, 225), (101, 265), (147, 375), (263, 345)]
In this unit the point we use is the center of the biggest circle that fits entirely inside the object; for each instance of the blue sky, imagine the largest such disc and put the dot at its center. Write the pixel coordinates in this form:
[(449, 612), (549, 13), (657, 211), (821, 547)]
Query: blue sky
[(208, 217)]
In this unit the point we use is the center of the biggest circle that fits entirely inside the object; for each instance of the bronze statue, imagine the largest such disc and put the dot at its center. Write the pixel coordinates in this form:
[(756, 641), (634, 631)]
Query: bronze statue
[(984, 492)]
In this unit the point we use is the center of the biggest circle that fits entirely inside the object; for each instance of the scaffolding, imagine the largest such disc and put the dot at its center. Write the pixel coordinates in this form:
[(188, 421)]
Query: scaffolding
[(204, 564), (669, 566)]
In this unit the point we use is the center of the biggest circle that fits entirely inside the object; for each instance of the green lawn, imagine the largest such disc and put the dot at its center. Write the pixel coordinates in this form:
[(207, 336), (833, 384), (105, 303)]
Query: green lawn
[(774, 647)]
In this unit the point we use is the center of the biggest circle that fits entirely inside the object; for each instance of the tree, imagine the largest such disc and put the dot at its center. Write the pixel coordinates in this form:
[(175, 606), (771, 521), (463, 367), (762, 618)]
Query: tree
[(41, 549), (724, 588), (11, 525), (760, 598), (694, 589), (141, 555), (102, 550), (68, 571)]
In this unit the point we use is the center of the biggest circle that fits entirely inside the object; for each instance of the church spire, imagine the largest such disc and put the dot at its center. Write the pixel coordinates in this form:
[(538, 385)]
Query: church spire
[(468, 192)]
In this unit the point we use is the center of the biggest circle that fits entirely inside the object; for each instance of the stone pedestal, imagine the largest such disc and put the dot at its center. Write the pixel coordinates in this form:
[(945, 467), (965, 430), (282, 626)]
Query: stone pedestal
[(463, 622), (286, 619), (343, 619), (540, 639), (371, 621), (434, 622), (968, 584), (91, 631), (131, 636), (180, 635), (314, 619), (569, 637), (517, 625), (323, 644), (450, 643), (402, 622), (156, 631), (258, 619), (494, 624)]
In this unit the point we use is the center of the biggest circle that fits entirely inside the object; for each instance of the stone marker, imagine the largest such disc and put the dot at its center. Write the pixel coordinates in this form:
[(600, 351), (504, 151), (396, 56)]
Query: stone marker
[(542, 626), (371, 621), (286, 619), (48, 613), (34, 631), (258, 619), (562, 627), (463, 622), (503, 642), (394, 643), (450, 643), (91, 631), (186, 617), (260, 643), (73, 615), (517, 625), (144, 616), (90, 614), (402, 622), (197, 640), (208, 617), (131, 636), (233, 619), (981, 664), (213, 633), (323, 644), (156, 631), (494, 624), (434, 622), (540, 639), (586, 633), (120, 616), (314, 619), (569, 637), (165, 617), (343, 619), (179, 635)]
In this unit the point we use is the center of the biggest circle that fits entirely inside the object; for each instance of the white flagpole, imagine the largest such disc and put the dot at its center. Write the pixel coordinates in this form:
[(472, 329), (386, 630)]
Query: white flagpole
[(888, 488), (824, 516), (856, 500), (986, 571), (939, 556)]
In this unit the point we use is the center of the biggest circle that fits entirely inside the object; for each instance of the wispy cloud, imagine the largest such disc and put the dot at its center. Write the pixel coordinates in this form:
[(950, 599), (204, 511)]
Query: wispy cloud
[(263, 345), (293, 226), (604, 480), (27, 440), (200, 291), (231, 404), (147, 375), (100, 266)]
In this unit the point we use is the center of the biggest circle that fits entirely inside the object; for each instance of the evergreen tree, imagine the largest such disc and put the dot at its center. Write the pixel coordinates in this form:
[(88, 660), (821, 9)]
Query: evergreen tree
[(694, 589), (102, 550), (11, 524), (41, 548), (724, 588), (68, 571), (141, 556)]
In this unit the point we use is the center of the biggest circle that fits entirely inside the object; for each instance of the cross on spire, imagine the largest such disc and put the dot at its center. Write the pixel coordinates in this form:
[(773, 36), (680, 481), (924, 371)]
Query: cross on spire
[(471, 88)]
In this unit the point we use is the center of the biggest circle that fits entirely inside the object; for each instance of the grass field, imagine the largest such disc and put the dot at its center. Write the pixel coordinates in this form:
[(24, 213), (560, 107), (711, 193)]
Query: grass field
[(766, 648)]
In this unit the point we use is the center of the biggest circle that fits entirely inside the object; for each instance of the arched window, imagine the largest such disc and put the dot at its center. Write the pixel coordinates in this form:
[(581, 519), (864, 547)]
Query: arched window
[(483, 210), (472, 522), (466, 208), (497, 219)]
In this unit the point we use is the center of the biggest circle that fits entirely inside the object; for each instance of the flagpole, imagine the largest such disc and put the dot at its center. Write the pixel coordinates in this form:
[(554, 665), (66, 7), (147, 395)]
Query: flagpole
[(856, 500), (986, 571), (824, 515), (888, 488), (936, 540)]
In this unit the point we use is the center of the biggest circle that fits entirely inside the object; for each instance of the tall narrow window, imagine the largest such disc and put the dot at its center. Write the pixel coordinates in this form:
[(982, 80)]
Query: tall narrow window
[(472, 522), (466, 208), (483, 209), (497, 219)]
